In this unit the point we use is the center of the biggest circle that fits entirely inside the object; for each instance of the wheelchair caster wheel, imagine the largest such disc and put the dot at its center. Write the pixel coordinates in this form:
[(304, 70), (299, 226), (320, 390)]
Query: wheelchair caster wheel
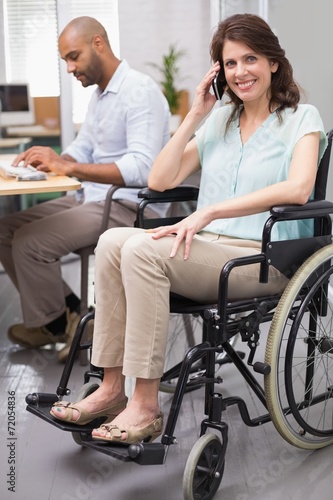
[(204, 469), (85, 391)]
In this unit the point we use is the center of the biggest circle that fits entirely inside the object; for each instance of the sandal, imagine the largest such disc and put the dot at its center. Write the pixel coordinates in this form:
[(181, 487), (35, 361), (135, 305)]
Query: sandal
[(85, 416), (147, 434)]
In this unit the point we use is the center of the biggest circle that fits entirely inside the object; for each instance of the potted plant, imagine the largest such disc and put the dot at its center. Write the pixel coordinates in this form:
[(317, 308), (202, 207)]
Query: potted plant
[(169, 70)]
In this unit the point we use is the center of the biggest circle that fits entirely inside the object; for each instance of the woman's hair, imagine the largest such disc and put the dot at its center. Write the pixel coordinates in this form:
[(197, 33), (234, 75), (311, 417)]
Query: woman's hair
[(253, 31)]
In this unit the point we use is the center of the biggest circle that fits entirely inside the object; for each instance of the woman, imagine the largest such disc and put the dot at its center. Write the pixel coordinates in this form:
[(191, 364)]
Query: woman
[(261, 149)]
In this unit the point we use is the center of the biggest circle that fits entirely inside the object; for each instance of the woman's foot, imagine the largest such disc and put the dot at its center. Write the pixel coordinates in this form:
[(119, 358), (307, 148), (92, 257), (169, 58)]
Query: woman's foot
[(68, 411), (97, 404), (133, 425)]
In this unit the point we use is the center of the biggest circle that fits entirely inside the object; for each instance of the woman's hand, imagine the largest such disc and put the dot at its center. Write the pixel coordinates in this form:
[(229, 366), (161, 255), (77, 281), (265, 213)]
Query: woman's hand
[(184, 230), (204, 100)]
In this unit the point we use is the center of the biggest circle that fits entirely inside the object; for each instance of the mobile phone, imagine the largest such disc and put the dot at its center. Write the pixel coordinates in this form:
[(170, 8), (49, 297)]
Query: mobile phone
[(219, 84)]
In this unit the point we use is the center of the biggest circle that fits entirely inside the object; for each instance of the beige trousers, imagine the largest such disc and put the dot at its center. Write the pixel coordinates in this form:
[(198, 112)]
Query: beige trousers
[(133, 278), (33, 241)]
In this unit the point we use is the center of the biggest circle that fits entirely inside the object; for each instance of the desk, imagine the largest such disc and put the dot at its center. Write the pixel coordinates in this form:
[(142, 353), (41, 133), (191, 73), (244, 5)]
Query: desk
[(13, 145), (53, 184), (32, 131), (40, 135)]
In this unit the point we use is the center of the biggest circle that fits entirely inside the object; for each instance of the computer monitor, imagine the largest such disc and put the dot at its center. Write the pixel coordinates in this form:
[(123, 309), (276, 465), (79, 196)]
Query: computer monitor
[(16, 105)]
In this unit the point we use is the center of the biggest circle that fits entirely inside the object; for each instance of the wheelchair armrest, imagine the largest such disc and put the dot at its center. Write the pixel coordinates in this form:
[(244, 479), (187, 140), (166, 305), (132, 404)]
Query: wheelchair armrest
[(320, 210), (181, 193), (311, 209), (149, 196)]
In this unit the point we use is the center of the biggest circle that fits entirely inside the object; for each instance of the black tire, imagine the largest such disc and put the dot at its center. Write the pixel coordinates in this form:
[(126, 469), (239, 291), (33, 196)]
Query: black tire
[(85, 391), (204, 469), (299, 350)]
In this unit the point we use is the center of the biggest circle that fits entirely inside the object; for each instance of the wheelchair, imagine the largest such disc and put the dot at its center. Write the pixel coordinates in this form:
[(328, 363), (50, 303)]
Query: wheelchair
[(297, 369)]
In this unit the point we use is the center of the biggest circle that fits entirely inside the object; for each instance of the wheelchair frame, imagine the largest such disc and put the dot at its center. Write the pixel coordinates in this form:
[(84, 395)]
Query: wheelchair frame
[(297, 391)]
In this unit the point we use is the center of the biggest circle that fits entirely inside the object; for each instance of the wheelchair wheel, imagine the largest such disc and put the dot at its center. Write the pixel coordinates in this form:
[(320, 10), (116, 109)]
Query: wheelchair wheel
[(204, 469), (299, 389), (85, 391)]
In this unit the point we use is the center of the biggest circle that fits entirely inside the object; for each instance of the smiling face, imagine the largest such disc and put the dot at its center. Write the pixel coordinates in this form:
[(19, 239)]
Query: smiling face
[(248, 74)]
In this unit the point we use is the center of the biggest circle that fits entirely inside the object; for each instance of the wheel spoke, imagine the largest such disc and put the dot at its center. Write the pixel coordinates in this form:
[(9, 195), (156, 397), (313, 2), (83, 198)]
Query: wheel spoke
[(299, 388)]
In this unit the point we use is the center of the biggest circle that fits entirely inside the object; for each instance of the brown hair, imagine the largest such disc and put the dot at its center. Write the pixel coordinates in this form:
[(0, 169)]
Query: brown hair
[(253, 31)]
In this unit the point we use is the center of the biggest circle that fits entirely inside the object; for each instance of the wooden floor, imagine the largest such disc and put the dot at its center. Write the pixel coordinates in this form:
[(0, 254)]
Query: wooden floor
[(47, 464)]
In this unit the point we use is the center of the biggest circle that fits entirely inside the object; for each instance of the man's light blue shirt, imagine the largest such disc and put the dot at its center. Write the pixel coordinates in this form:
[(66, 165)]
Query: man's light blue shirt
[(127, 124), (231, 169)]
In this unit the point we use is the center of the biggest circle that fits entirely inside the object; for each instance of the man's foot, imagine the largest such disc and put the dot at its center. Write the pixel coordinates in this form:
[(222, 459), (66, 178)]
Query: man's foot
[(33, 337)]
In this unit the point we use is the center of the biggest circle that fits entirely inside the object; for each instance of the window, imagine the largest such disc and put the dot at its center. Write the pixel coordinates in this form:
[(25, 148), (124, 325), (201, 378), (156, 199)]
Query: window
[(30, 29), (31, 43)]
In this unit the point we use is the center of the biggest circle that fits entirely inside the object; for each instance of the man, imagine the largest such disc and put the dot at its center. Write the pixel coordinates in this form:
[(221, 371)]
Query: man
[(127, 124)]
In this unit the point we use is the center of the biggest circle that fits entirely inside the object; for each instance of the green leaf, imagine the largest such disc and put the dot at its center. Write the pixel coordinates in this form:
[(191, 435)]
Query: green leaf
[(169, 71)]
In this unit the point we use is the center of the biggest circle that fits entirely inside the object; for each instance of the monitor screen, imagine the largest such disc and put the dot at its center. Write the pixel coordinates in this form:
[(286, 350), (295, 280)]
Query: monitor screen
[(16, 105)]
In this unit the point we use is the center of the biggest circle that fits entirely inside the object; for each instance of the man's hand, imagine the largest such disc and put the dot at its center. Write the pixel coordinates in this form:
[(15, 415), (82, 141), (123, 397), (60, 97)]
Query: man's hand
[(44, 159)]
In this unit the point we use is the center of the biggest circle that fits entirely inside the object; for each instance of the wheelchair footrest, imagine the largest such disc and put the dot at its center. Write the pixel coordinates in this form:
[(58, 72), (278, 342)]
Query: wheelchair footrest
[(141, 453), (42, 410)]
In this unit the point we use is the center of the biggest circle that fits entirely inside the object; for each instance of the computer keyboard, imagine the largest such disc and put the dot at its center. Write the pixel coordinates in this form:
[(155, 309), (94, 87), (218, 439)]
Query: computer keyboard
[(7, 169)]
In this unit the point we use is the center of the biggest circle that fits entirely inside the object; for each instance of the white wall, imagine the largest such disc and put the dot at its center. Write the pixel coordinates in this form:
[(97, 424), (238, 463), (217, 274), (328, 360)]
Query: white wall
[(148, 27), (304, 30), (2, 47)]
